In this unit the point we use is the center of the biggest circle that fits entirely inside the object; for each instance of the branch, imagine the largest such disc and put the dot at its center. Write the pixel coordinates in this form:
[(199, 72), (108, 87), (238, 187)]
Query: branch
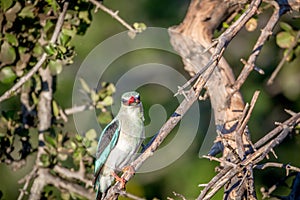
[(229, 171), (9, 93), (113, 14), (27, 180), (287, 167), (223, 40), (78, 175), (282, 61), (66, 185), (265, 33)]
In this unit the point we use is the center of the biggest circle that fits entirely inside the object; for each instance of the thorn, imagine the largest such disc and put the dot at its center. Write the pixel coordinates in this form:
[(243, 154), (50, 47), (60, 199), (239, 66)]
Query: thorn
[(290, 112), (202, 185), (259, 70), (215, 42), (273, 152)]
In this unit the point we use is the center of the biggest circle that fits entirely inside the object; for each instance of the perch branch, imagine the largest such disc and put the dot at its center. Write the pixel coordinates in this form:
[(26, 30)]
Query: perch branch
[(192, 96), (37, 66)]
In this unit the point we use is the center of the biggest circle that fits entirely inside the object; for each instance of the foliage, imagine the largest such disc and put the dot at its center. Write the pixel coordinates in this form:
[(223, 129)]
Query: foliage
[(26, 29)]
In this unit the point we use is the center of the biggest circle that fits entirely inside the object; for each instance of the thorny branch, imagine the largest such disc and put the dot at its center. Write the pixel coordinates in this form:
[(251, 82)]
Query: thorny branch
[(265, 33), (113, 14), (192, 96), (263, 146)]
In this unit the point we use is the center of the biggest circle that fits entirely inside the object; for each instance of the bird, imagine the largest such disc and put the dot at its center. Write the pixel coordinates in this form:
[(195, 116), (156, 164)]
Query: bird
[(119, 143)]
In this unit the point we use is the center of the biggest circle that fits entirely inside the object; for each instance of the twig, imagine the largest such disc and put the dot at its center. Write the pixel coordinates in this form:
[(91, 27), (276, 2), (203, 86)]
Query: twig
[(220, 160), (282, 61), (128, 195), (287, 167), (78, 175), (242, 125), (66, 185), (265, 33), (26, 179), (293, 120), (179, 195), (113, 15), (37, 66)]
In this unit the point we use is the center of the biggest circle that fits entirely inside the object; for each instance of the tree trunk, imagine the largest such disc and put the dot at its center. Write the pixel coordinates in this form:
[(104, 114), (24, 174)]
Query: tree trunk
[(190, 39)]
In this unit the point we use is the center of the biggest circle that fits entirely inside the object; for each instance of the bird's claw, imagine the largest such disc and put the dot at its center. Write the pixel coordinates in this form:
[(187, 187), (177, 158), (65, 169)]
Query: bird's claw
[(119, 179)]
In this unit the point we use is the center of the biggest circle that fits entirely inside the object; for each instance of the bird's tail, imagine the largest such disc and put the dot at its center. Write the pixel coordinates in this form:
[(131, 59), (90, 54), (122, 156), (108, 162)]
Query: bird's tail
[(99, 195)]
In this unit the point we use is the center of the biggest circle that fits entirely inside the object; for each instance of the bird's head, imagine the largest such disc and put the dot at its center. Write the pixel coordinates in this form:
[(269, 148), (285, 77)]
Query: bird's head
[(131, 98)]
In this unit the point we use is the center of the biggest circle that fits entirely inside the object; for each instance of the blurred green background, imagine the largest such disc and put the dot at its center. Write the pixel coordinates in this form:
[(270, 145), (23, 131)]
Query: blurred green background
[(189, 170)]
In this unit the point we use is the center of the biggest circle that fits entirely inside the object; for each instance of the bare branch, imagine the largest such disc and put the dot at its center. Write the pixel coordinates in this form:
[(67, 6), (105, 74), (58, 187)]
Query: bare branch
[(287, 167), (113, 14), (265, 33), (284, 58), (228, 172), (27, 180)]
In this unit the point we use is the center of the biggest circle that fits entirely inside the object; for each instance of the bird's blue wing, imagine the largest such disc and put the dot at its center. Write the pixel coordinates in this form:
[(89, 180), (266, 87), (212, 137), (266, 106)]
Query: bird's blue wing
[(107, 142)]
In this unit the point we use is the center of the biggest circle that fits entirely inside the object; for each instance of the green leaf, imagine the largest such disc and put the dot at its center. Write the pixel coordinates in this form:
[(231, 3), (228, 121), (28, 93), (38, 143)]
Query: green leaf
[(84, 15), (111, 89), (45, 159), (69, 32), (55, 67), (94, 96), (286, 26), (50, 140), (91, 134), (11, 39), (55, 109), (48, 26), (53, 4), (225, 25), (104, 117), (284, 39), (139, 27), (5, 4), (35, 99), (84, 85), (64, 39), (50, 49), (37, 50), (108, 101), (7, 75), (8, 54), (27, 12)]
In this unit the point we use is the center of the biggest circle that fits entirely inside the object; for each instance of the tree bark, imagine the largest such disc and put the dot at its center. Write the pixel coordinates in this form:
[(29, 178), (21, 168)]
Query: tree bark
[(190, 39)]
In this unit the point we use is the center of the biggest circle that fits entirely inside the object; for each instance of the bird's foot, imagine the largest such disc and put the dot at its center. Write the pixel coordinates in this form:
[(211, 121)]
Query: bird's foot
[(129, 169), (119, 179)]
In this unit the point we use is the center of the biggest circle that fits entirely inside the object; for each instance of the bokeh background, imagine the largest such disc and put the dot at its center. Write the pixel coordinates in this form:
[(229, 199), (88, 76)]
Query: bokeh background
[(184, 175)]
